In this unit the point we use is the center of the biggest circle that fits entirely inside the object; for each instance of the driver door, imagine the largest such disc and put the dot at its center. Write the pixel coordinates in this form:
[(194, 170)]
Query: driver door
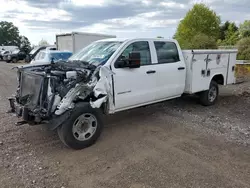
[(134, 86)]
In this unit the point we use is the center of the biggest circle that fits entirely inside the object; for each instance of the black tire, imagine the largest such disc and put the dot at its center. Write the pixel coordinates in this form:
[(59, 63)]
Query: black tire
[(205, 97), (14, 60), (65, 131)]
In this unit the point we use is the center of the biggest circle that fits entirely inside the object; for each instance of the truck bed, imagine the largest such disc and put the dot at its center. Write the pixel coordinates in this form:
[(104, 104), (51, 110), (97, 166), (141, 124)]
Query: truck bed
[(203, 65)]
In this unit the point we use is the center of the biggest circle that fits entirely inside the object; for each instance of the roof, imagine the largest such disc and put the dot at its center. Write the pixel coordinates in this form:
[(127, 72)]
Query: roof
[(55, 51), (84, 33), (126, 39), (115, 39)]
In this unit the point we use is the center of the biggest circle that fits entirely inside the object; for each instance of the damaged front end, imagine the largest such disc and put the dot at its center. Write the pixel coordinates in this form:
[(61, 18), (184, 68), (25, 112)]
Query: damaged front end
[(48, 93)]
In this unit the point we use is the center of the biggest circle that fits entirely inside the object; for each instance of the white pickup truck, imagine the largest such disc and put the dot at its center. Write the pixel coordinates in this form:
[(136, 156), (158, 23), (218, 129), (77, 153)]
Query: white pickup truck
[(113, 75)]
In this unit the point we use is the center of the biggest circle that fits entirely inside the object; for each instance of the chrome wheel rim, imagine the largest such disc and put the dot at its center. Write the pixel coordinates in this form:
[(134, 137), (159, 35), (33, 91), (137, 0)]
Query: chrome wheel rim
[(212, 94), (84, 127)]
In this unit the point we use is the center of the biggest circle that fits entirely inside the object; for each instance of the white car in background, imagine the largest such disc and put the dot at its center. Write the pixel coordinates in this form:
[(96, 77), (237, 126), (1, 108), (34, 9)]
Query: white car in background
[(46, 56)]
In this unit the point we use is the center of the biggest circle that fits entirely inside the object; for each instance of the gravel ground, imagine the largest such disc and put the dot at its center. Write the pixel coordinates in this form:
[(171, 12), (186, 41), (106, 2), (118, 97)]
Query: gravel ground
[(177, 143)]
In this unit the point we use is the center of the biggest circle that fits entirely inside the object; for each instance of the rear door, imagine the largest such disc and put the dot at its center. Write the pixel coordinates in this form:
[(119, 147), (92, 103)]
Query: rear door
[(170, 70)]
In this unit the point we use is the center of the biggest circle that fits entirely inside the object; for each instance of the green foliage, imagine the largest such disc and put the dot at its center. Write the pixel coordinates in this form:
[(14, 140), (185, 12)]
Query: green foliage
[(43, 43), (231, 36), (25, 44), (244, 29), (202, 41), (200, 19), (9, 34), (244, 49), (224, 28)]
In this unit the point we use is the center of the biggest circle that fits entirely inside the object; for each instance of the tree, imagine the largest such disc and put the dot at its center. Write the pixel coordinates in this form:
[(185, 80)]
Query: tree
[(224, 28), (25, 44), (9, 34), (200, 19), (43, 43), (202, 41), (244, 29), (244, 49), (231, 35)]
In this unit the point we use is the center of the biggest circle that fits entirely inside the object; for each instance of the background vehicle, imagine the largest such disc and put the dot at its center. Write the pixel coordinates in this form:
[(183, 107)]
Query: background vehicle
[(15, 56), (4, 53), (75, 41), (46, 56), (36, 50), (8, 48), (113, 75), (5, 50)]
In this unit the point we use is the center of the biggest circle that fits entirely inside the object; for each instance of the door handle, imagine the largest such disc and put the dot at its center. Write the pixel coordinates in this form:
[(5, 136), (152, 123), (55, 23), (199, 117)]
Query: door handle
[(181, 68), (151, 72)]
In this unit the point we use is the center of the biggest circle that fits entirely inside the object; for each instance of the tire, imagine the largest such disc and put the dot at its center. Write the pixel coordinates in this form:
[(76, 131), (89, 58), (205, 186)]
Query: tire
[(73, 133), (14, 60), (209, 97)]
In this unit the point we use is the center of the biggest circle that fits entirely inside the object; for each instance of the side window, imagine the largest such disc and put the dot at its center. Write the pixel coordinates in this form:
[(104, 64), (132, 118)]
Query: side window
[(143, 48), (37, 56), (42, 55), (167, 52)]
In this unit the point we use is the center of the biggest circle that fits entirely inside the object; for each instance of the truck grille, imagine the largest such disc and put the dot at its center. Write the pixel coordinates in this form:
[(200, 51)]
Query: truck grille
[(30, 89)]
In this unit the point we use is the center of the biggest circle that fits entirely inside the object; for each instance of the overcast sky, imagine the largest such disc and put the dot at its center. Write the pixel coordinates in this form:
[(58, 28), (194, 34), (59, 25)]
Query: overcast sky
[(37, 19)]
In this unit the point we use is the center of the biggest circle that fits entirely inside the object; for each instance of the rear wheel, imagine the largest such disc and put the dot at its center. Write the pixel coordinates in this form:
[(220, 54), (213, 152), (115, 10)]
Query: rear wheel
[(82, 128), (210, 96)]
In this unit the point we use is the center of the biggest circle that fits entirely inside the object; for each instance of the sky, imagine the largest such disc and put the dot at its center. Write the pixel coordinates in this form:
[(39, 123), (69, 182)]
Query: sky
[(43, 19)]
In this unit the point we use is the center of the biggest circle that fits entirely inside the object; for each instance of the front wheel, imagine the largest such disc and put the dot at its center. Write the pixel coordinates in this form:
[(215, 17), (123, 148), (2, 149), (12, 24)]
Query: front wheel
[(14, 60), (82, 128), (210, 96)]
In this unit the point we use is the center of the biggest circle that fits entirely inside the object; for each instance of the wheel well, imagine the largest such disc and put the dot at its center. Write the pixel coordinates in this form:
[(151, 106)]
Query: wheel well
[(219, 79)]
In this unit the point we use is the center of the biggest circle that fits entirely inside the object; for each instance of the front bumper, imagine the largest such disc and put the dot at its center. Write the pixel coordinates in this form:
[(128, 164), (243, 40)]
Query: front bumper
[(20, 111)]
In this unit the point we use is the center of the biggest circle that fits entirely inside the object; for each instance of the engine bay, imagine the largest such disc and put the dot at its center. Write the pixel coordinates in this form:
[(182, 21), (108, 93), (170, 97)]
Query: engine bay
[(46, 91)]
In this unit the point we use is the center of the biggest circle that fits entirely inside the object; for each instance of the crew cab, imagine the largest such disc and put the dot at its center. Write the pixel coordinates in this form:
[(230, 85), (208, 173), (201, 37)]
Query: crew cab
[(113, 75)]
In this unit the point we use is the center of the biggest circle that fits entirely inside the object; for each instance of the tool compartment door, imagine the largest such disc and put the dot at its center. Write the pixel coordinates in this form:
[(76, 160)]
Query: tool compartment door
[(231, 69), (199, 80)]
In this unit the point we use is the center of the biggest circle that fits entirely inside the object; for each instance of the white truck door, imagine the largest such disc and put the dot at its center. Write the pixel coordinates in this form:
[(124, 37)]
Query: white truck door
[(170, 70), (134, 86)]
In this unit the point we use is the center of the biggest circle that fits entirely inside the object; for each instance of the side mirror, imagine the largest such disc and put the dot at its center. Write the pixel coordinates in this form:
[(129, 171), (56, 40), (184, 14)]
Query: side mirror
[(134, 61)]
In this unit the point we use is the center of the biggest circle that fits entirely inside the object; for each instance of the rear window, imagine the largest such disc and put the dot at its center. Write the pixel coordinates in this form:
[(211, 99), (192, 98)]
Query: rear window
[(60, 56), (167, 52)]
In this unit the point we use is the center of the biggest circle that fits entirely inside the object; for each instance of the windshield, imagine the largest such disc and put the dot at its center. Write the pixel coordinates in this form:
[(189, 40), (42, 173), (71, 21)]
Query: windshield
[(60, 56), (34, 50), (96, 53)]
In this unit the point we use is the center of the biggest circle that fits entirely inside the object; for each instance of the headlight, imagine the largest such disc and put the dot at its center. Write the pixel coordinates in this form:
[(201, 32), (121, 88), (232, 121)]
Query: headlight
[(9, 57)]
